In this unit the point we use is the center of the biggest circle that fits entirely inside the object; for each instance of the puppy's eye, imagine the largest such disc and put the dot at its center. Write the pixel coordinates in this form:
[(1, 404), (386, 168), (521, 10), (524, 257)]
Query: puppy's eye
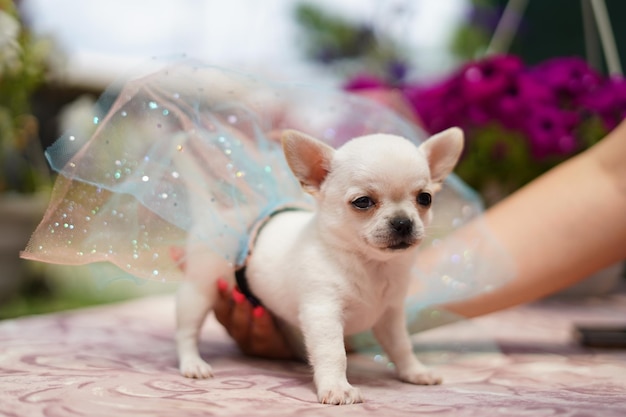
[(424, 199), (363, 203)]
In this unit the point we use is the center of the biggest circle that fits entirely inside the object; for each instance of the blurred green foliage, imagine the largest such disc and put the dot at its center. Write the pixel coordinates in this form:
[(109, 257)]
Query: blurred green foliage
[(22, 71)]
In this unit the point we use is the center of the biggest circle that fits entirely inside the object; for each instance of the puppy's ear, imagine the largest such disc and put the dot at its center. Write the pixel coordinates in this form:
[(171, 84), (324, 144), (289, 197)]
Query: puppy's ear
[(443, 151), (308, 158)]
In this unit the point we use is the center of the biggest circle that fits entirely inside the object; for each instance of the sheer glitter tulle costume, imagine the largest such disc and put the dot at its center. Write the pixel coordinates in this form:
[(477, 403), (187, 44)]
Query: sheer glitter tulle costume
[(191, 144)]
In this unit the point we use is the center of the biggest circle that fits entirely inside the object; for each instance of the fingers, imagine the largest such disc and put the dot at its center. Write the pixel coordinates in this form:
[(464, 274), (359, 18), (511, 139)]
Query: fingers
[(265, 338), (261, 322), (235, 313), (241, 318)]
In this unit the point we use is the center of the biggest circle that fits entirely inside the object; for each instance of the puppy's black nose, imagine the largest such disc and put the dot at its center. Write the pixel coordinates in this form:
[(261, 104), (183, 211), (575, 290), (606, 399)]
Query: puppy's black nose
[(403, 226)]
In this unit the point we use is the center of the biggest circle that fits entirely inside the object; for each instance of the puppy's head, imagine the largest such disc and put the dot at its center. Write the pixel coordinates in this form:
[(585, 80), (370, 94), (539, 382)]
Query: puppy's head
[(375, 192)]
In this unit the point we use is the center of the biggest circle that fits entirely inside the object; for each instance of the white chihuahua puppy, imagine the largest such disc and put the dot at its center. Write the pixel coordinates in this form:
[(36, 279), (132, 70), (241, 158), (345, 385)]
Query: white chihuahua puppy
[(344, 268)]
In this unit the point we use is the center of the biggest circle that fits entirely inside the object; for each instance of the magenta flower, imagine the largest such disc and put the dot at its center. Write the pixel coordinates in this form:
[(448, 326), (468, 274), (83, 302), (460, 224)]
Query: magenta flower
[(483, 80), (438, 106), (608, 102), (551, 131), (569, 77), (514, 105), (543, 102)]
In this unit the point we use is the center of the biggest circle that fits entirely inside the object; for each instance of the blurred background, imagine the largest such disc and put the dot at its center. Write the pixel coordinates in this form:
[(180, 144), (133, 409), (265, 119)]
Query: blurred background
[(476, 61)]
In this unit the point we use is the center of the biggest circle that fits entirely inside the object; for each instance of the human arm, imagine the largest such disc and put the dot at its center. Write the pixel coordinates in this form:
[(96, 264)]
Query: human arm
[(560, 228)]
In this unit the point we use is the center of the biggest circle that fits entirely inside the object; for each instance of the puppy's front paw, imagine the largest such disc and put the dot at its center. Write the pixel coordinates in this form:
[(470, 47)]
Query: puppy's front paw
[(340, 393), (420, 376), (195, 367)]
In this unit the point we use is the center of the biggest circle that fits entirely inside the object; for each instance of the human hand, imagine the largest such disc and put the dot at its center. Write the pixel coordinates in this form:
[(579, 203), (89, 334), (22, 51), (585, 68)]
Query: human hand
[(252, 328)]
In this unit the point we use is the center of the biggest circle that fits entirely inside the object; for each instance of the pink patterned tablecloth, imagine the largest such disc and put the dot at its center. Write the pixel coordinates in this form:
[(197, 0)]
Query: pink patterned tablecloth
[(119, 360)]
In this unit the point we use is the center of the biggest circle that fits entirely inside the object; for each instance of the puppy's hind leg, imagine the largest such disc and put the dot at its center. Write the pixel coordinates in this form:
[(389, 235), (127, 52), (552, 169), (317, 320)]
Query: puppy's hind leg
[(195, 298), (192, 306)]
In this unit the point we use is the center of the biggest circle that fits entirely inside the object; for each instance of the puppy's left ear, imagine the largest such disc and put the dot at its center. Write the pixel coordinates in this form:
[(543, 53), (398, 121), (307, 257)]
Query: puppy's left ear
[(443, 151), (308, 158)]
